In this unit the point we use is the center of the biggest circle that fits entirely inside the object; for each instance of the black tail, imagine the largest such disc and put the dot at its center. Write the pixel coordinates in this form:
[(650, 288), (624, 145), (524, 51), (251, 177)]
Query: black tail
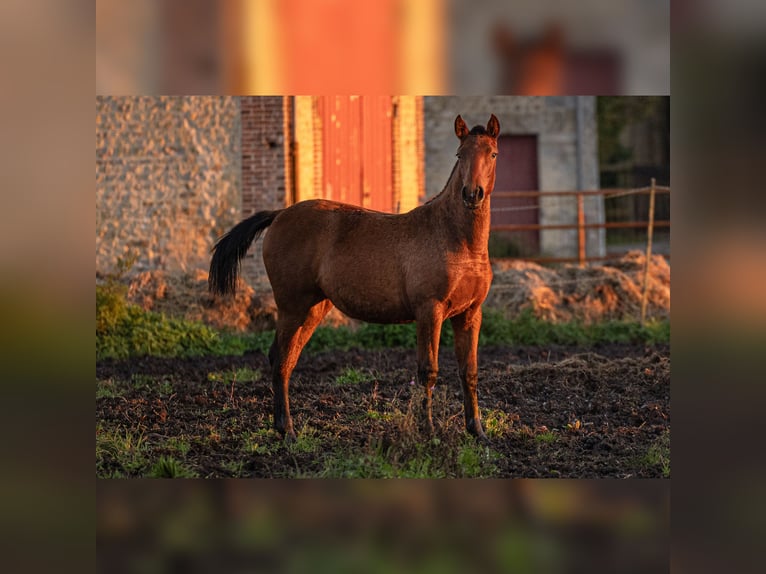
[(231, 248)]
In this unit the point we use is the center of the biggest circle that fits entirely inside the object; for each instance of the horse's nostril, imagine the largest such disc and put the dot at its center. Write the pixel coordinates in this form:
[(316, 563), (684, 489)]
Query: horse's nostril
[(480, 193)]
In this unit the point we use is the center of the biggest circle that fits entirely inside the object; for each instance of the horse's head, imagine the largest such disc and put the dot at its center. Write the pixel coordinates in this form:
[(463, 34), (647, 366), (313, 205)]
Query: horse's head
[(476, 160)]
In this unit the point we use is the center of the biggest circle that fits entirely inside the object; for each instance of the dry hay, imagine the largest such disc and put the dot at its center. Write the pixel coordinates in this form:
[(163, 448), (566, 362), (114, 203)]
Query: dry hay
[(591, 293), (186, 296)]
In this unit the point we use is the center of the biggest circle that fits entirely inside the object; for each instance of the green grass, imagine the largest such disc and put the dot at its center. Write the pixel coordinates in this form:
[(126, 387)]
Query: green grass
[(352, 376), (121, 449), (241, 375), (179, 445), (107, 389), (260, 442), (467, 462), (658, 455), (307, 440), (169, 467), (124, 330), (453, 456), (496, 423), (236, 468), (546, 437)]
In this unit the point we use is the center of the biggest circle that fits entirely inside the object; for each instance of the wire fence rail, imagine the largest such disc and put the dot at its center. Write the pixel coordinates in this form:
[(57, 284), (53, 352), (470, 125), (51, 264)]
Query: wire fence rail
[(581, 226)]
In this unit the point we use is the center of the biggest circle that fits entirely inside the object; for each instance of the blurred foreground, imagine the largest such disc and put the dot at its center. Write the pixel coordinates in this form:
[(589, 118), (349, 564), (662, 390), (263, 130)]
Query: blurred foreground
[(382, 526)]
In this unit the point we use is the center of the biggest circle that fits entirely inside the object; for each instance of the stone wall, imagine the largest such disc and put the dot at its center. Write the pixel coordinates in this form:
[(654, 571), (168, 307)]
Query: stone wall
[(565, 162), (168, 176)]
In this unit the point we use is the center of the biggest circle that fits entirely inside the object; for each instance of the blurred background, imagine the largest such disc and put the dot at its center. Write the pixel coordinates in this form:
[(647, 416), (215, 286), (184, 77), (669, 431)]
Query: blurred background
[(574, 173), (445, 527), (524, 47), (719, 321)]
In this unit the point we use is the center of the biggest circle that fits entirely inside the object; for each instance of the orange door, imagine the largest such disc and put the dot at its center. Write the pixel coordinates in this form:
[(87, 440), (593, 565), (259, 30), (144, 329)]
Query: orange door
[(357, 150)]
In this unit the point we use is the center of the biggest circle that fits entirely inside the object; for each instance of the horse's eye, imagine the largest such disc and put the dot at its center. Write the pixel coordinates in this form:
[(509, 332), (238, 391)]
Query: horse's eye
[(494, 155), (457, 155)]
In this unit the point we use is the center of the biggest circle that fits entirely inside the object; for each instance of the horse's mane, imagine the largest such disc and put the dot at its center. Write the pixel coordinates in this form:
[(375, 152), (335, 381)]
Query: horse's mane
[(446, 185)]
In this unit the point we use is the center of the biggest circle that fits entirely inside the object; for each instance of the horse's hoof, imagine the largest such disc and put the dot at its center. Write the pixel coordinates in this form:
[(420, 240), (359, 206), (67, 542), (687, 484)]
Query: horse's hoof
[(474, 428), (482, 438), (427, 428), (289, 437)]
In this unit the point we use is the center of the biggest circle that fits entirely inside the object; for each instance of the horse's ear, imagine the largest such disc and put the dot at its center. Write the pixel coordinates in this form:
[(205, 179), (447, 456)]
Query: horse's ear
[(461, 130), (493, 126)]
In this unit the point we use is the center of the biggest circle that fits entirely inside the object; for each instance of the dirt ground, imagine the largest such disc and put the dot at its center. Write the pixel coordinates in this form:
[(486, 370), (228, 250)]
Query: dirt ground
[(550, 412)]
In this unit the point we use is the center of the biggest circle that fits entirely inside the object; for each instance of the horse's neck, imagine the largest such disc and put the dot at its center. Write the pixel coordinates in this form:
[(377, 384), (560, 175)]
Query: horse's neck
[(471, 228)]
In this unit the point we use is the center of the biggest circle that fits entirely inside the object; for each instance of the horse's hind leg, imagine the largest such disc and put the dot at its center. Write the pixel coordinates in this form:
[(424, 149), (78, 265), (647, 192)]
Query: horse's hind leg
[(294, 329), (466, 329)]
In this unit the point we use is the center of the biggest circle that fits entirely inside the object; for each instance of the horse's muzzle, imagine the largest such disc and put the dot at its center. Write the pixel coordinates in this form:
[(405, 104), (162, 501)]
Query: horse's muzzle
[(472, 198)]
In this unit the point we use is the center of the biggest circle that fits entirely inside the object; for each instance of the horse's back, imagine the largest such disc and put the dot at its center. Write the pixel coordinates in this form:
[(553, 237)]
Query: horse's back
[(353, 256)]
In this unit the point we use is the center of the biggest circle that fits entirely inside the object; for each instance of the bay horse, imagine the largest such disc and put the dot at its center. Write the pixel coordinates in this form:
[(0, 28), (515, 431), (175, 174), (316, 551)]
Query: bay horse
[(427, 265)]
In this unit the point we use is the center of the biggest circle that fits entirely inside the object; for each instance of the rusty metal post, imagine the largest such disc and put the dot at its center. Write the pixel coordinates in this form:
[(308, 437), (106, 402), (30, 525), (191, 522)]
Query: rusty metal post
[(581, 229), (649, 235)]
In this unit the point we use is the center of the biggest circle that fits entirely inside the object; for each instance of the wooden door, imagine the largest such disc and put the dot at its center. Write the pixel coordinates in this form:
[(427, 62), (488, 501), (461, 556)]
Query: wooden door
[(517, 170), (357, 150)]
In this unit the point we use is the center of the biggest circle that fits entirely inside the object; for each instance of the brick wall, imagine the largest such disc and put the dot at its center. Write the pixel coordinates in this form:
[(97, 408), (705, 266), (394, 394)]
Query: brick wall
[(167, 179), (266, 167)]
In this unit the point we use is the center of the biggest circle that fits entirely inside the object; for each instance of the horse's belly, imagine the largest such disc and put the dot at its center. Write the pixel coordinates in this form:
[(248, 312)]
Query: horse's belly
[(372, 309)]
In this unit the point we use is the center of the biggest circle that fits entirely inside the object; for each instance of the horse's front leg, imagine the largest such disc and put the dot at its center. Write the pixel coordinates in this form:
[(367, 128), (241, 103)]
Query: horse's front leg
[(466, 327), (429, 328)]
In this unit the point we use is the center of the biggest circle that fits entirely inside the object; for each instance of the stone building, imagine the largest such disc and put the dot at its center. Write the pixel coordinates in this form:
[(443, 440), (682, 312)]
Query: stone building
[(546, 144), (174, 173)]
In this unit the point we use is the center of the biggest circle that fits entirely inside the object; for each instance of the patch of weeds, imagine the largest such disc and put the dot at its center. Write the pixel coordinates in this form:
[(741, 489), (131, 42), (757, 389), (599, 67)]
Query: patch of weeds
[(169, 467), (121, 448), (421, 465), (357, 465), (526, 329), (351, 376), (497, 423), (140, 381), (435, 458), (236, 468), (546, 437), (377, 416), (658, 455), (307, 440), (263, 442), (475, 460), (243, 374), (165, 387), (107, 389), (179, 445)]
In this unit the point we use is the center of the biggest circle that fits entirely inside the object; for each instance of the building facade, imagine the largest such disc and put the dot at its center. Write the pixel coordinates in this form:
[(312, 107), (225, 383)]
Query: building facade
[(545, 144), (174, 173)]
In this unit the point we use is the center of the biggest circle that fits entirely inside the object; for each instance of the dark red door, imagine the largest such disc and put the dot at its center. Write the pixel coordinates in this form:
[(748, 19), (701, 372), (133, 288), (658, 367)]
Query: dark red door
[(517, 170)]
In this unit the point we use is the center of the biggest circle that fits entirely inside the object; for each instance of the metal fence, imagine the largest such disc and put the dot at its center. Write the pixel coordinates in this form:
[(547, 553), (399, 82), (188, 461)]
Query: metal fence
[(579, 226)]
